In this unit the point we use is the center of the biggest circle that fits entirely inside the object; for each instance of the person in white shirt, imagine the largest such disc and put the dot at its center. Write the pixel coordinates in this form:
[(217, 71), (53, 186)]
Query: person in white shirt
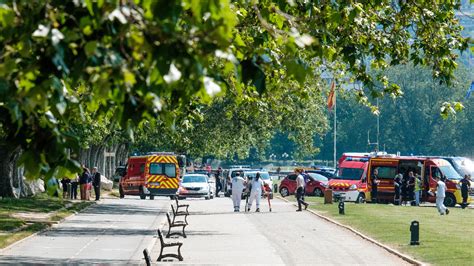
[(256, 192), (237, 187), (300, 184), (440, 195)]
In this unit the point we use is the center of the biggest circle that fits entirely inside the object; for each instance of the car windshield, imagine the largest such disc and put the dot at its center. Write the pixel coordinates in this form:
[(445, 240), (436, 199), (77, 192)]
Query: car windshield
[(318, 177), (450, 173), (194, 179), (263, 175), (350, 173)]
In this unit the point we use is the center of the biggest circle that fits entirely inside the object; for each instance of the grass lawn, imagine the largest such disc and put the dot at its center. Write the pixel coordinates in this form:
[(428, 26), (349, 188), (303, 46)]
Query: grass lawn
[(13, 229), (444, 240)]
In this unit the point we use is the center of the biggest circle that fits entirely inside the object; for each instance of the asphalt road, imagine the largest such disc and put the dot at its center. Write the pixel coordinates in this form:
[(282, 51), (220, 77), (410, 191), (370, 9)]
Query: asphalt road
[(115, 231), (216, 235)]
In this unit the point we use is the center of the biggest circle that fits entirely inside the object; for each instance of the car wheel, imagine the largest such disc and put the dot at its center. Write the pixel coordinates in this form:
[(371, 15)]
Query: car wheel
[(450, 200), (284, 192), (152, 197), (360, 198), (122, 195), (318, 192)]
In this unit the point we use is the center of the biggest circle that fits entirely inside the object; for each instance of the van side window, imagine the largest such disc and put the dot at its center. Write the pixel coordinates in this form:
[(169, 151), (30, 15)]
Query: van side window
[(386, 172)]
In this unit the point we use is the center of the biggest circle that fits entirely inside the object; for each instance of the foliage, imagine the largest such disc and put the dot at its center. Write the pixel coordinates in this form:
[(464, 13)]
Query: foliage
[(412, 123), (149, 60)]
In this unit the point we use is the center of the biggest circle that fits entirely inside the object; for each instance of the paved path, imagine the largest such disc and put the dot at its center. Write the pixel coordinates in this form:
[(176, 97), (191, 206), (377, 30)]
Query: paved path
[(112, 232), (218, 236)]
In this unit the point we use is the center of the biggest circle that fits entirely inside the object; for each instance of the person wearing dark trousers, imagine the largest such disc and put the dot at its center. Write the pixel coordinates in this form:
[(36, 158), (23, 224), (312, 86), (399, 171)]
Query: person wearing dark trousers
[(74, 184), (465, 184), (65, 182), (397, 183), (96, 182), (300, 184), (375, 182), (218, 184)]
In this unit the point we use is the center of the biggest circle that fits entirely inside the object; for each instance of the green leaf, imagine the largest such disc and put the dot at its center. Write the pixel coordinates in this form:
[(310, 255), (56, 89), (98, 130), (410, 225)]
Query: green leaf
[(90, 7), (298, 69), (90, 47)]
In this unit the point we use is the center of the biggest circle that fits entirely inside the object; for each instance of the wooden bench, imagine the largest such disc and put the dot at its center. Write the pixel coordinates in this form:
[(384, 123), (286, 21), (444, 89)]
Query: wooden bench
[(172, 224), (146, 254), (179, 213), (181, 205), (165, 245)]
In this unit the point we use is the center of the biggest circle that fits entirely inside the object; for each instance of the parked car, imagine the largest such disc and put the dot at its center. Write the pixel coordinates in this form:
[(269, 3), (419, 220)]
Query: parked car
[(315, 186), (228, 175), (200, 171), (327, 172), (119, 172), (267, 180), (462, 165), (195, 186)]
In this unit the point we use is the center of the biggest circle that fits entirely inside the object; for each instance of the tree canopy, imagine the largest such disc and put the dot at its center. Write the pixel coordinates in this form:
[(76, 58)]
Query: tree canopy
[(133, 62)]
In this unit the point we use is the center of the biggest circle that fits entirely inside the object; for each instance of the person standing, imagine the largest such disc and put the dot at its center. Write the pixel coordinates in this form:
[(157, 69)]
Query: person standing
[(96, 183), (417, 189), (465, 184), (411, 187), (83, 181), (256, 192), (374, 184), (440, 195), (218, 181), (397, 183), (238, 184), (74, 183), (300, 186), (65, 182)]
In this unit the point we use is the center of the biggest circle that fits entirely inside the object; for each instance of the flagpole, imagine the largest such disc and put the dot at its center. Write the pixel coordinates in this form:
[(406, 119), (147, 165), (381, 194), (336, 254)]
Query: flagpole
[(335, 128)]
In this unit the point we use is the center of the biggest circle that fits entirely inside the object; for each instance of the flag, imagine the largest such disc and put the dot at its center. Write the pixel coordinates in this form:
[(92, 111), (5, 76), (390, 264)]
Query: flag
[(331, 97), (470, 90)]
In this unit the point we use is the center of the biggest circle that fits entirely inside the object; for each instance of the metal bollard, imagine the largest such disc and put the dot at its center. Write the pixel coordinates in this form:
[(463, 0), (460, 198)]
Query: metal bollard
[(341, 207), (415, 233), (275, 188)]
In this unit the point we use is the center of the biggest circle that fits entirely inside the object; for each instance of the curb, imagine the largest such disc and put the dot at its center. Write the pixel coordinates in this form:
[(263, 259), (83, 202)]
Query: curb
[(387, 248), (49, 227), (152, 243)]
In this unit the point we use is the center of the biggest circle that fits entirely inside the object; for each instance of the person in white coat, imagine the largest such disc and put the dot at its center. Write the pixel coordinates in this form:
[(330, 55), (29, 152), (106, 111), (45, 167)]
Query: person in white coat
[(256, 191), (440, 195), (238, 184)]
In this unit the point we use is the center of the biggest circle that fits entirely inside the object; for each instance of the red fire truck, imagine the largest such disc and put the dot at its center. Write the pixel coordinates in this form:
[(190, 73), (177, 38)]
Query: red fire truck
[(354, 177), (153, 174)]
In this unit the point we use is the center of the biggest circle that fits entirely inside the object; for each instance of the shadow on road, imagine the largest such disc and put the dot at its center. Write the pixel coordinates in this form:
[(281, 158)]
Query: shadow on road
[(95, 231), (120, 209), (27, 260)]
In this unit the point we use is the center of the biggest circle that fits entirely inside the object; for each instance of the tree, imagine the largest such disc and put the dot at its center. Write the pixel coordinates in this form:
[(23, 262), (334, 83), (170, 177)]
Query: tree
[(412, 123), (151, 59)]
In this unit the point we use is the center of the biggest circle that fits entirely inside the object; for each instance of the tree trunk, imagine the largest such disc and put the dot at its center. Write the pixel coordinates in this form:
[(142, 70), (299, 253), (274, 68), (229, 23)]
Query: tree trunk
[(94, 156), (11, 178)]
